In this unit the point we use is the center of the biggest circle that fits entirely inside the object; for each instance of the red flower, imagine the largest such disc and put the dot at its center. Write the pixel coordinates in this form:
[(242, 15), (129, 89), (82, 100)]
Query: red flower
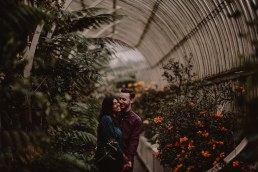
[(223, 129), (192, 104), (235, 163), (177, 144), (218, 115), (156, 154), (199, 123), (189, 168), (178, 167), (170, 127), (203, 112), (169, 145), (221, 155)]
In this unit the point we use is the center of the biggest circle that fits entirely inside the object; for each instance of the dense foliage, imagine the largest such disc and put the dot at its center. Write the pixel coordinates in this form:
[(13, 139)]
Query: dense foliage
[(48, 118)]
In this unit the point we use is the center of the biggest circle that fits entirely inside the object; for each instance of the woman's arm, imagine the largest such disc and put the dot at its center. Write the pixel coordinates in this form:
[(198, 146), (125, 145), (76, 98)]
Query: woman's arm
[(110, 131)]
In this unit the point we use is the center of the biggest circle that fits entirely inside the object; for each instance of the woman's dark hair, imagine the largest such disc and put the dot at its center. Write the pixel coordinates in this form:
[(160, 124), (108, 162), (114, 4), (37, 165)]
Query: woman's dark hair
[(107, 106)]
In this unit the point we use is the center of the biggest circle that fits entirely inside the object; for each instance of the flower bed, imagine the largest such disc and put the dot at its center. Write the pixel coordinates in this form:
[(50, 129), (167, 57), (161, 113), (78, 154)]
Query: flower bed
[(192, 124)]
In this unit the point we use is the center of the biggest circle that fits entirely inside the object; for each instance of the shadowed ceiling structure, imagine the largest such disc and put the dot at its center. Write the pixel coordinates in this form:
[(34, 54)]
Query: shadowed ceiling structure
[(208, 30)]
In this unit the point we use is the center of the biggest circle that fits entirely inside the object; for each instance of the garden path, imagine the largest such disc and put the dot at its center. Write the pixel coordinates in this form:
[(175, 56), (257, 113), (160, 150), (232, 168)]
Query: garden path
[(138, 165)]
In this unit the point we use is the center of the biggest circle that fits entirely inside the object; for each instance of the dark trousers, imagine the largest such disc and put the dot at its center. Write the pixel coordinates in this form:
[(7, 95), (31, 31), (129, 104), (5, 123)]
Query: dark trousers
[(109, 165)]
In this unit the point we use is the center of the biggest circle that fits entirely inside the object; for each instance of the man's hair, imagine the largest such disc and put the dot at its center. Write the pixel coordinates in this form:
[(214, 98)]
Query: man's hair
[(130, 91)]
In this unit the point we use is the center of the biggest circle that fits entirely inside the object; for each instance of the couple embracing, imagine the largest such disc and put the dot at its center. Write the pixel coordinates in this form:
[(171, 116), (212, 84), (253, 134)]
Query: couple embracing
[(118, 133)]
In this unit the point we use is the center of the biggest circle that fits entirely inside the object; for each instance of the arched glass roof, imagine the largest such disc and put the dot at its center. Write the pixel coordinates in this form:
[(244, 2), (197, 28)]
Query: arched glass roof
[(164, 29)]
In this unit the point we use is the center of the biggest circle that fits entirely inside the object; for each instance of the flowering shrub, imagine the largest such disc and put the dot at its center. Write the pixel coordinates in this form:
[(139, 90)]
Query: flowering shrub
[(190, 123), (193, 138)]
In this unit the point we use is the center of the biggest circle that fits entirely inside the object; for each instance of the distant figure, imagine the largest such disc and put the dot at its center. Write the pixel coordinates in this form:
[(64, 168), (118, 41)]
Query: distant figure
[(130, 125)]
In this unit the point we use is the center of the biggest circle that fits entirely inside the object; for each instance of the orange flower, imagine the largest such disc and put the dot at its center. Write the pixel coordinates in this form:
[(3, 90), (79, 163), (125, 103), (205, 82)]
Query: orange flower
[(139, 84), (199, 123), (170, 127), (189, 168), (221, 155), (235, 163), (203, 112), (178, 167), (223, 129), (130, 85), (215, 163), (218, 115), (156, 154), (205, 134), (192, 104), (211, 142), (183, 139), (220, 142), (191, 146), (206, 154), (158, 120), (169, 145)]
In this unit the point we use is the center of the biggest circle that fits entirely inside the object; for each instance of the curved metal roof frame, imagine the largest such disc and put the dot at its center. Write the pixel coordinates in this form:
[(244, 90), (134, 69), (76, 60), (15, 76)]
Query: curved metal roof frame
[(163, 29)]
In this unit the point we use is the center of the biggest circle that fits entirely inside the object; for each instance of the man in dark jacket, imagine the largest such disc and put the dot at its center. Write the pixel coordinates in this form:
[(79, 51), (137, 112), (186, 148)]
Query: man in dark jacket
[(130, 124)]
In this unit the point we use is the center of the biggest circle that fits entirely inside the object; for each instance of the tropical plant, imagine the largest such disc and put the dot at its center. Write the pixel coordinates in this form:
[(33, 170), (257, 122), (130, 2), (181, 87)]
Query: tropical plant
[(40, 111)]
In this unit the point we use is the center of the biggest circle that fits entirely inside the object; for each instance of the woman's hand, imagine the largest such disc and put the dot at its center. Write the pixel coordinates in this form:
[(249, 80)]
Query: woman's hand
[(126, 163), (125, 159), (127, 166)]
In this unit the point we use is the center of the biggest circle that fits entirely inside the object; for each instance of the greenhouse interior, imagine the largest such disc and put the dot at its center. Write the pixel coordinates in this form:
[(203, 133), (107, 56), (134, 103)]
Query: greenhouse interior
[(180, 78)]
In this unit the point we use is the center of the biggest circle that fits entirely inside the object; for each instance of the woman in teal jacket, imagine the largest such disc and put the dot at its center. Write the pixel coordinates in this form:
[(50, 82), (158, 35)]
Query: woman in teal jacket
[(109, 138)]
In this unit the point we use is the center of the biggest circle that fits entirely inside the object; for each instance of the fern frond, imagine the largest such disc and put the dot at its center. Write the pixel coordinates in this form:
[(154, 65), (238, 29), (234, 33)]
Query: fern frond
[(86, 115), (85, 137), (79, 24), (19, 140), (70, 140), (87, 12), (17, 21), (59, 162), (110, 41)]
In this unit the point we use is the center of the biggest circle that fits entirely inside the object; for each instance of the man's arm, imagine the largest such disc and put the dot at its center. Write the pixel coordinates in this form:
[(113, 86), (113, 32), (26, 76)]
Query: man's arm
[(134, 140)]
